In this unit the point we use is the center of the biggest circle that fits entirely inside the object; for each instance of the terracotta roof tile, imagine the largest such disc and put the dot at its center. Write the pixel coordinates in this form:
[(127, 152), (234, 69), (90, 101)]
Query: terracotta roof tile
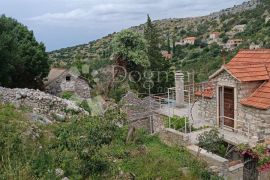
[(247, 73), (207, 93), (190, 38), (250, 65), (260, 98)]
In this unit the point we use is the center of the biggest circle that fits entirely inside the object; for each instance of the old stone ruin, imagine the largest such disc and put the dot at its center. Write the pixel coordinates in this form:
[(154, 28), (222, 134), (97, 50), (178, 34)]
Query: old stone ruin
[(45, 108)]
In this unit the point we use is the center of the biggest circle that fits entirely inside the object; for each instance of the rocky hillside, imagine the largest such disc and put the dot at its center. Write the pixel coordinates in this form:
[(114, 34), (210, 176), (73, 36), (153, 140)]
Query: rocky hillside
[(253, 14)]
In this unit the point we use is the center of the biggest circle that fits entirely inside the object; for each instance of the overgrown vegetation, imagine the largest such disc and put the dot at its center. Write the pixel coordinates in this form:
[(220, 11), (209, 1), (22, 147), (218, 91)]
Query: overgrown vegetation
[(259, 154), (212, 142), (91, 147), (176, 122)]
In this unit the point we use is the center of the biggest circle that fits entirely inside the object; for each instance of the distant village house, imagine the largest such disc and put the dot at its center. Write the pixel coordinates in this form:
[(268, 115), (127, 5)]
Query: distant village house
[(232, 44), (255, 46), (166, 55), (63, 80), (239, 28), (189, 40), (214, 35)]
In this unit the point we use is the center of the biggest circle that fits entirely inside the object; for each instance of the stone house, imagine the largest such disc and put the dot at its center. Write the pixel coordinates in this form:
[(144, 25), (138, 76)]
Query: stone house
[(238, 95), (166, 55), (267, 19), (189, 40), (255, 46), (232, 43), (239, 28), (214, 35), (62, 80)]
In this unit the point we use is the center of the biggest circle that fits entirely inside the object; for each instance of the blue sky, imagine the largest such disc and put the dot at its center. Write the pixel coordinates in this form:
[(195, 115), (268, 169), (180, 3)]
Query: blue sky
[(63, 23)]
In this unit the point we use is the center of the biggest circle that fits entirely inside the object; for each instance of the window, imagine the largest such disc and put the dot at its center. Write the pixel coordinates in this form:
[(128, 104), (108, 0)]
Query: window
[(68, 78)]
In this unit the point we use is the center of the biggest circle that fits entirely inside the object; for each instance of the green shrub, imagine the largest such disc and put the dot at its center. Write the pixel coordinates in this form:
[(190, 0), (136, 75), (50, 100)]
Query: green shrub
[(66, 94), (177, 122), (85, 106), (117, 93), (212, 142)]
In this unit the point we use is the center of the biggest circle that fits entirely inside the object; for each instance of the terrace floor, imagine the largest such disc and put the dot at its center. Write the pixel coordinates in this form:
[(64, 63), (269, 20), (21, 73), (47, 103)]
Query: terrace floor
[(197, 121), (171, 110)]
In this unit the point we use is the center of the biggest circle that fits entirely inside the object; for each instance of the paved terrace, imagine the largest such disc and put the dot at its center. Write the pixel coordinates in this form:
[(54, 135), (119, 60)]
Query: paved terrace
[(229, 136)]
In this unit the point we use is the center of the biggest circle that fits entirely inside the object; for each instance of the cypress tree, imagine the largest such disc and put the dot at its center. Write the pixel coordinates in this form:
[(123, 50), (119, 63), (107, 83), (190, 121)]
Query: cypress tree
[(174, 39), (151, 35), (168, 44), (157, 62)]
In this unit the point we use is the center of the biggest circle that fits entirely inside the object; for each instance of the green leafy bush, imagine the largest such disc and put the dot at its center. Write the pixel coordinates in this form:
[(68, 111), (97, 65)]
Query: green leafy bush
[(177, 122), (212, 142), (85, 106), (117, 93)]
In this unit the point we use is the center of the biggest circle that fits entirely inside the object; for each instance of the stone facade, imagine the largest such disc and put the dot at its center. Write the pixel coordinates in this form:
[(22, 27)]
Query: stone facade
[(68, 82), (248, 120), (40, 102)]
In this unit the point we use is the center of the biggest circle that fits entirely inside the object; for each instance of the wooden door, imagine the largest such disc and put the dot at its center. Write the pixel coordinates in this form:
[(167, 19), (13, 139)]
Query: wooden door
[(226, 106)]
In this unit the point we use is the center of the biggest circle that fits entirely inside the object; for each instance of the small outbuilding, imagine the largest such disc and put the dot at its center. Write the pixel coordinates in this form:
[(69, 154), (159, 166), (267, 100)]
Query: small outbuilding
[(63, 80), (238, 95)]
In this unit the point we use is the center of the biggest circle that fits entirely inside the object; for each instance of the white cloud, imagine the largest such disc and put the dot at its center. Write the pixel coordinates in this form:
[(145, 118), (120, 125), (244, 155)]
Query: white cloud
[(115, 10), (67, 22)]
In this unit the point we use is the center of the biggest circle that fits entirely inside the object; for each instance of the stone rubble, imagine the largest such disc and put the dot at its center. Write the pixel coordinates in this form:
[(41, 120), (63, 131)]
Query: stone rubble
[(44, 106)]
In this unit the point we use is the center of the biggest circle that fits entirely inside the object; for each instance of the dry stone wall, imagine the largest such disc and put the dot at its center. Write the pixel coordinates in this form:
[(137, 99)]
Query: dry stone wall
[(40, 102)]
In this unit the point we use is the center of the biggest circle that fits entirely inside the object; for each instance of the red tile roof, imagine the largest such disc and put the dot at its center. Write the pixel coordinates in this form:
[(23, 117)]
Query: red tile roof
[(250, 65), (190, 38), (207, 93), (258, 56), (260, 98), (245, 73), (218, 33)]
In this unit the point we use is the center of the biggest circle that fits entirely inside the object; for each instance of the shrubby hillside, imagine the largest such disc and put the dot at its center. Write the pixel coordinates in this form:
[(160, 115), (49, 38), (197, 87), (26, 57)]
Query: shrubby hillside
[(204, 59), (87, 148)]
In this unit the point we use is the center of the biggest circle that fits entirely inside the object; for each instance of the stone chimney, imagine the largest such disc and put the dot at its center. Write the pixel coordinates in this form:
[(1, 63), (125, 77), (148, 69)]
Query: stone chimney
[(179, 89)]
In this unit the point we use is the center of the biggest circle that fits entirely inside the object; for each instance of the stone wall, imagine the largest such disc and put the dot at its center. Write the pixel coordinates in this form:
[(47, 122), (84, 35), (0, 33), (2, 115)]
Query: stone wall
[(76, 84), (208, 109), (140, 112), (158, 123), (39, 102), (264, 175), (152, 123), (173, 137), (142, 123), (235, 172), (218, 164)]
